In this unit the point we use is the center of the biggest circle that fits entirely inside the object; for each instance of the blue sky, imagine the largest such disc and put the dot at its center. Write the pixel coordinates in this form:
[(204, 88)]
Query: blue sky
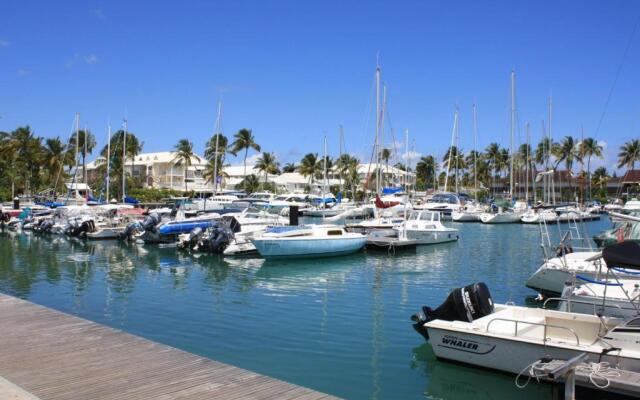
[(293, 70)]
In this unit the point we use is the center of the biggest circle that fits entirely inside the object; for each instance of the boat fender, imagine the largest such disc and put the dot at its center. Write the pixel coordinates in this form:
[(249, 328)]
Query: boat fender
[(463, 304)]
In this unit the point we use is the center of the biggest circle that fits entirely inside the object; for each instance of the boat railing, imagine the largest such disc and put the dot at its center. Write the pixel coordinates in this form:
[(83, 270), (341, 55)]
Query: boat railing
[(543, 324), (595, 305)]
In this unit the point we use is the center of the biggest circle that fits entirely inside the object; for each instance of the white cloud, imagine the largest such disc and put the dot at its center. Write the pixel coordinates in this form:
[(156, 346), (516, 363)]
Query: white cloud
[(98, 13), (411, 156), (4, 43), (91, 59)]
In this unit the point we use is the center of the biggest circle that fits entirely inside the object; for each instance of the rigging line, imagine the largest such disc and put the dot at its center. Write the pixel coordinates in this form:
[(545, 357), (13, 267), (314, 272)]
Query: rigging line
[(615, 80)]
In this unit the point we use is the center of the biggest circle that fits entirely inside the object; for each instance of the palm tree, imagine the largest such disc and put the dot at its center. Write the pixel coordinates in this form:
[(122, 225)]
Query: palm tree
[(600, 177), (27, 150), (212, 154), (134, 147), (543, 151), (250, 183), (426, 169), (629, 154), (454, 158), (244, 141), (566, 151), (309, 166), (209, 171), (385, 155), (54, 159), (268, 165), (289, 167), (84, 136), (184, 156), (589, 147), (493, 155)]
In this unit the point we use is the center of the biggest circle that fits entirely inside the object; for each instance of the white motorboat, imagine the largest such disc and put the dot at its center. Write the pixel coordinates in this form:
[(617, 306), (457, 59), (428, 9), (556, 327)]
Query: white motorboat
[(424, 227), (470, 329), (308, 241), (631, 205), (612, 298), (445, 203), (106, 233)]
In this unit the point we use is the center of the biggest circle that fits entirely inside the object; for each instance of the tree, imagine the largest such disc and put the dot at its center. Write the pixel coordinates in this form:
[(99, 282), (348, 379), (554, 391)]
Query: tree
[(629, 154), (309, 166), (244, 141), (85, 143), (268, 165), (184, 156), (116, 164), (54, 160), (600, 177), (454, 159), (543, 151), (426, 170), (27, 152), (385, 155), (215, 157), (289, 167), (250, 183), (589, 147)]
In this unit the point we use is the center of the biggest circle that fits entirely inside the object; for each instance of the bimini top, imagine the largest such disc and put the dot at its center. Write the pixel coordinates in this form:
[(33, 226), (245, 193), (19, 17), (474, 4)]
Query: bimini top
[(623, 255)]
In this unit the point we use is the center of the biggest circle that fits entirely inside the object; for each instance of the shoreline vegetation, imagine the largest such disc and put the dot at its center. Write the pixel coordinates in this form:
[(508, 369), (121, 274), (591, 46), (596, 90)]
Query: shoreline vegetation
[(32, 164)]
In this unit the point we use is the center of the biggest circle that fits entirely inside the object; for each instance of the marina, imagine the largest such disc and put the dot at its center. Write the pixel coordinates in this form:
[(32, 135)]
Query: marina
[(303, 200), (309, 316)]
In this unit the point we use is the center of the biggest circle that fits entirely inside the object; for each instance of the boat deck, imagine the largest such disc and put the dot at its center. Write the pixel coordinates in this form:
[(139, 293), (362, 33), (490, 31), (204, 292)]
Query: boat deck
[(53, 355)]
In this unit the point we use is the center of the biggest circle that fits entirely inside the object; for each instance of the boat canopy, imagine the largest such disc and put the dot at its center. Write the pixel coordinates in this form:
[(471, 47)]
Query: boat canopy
[(623, 255), (391, 190)]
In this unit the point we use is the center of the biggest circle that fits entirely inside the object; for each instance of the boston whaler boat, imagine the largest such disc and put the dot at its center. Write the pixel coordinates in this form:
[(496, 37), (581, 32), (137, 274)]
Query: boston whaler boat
[(470, 329)]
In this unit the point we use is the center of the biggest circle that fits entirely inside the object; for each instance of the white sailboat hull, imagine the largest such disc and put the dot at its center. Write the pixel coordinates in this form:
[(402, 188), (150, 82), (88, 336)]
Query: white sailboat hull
[(500, 218)]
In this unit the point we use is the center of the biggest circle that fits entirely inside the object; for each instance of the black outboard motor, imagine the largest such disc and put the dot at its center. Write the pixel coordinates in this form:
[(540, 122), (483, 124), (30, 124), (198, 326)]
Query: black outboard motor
[(150, 221), (463, 304)]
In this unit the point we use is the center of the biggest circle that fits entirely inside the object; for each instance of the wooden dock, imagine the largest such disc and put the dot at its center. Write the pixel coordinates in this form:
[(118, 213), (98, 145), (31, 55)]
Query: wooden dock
[(53, 355)]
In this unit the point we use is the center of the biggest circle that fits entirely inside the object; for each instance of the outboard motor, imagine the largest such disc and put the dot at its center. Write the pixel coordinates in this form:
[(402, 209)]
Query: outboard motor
[(463, 304), (150, 221)]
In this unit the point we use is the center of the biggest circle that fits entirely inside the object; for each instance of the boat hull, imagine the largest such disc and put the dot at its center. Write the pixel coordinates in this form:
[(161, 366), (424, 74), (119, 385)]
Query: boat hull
[(500, 218), (506, 354), (431, 237), (465, 216), (308, 248)]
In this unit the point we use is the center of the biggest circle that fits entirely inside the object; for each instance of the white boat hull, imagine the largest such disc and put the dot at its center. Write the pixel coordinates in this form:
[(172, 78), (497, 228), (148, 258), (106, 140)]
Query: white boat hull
[(465, 216), (432, 237), (500, 218), (308, 248)]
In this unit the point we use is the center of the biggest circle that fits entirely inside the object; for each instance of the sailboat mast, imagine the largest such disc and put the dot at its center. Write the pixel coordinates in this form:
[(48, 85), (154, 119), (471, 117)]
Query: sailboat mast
[(340, 158), (526, 166), (215, 156), (552, 186), (124, 161), (475, 151), (108, 159), (453, 133), (377, 141), (457, 155), (324, 162), (382, 112), (513, 120)]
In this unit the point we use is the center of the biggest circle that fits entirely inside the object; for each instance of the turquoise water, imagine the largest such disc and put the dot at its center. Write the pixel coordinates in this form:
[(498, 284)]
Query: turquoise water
[(338, 325)]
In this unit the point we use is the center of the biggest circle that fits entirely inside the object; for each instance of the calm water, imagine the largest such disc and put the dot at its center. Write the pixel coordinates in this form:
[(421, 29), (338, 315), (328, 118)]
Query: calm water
[(338, 325)]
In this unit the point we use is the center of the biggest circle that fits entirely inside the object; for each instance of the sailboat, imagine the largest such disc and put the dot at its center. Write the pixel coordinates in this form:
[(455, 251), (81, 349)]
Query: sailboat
[(387, 210), (471, 210), (508, 214)]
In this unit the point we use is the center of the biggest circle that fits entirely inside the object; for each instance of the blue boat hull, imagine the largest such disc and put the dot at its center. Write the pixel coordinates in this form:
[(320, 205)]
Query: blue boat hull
[(176, 228)]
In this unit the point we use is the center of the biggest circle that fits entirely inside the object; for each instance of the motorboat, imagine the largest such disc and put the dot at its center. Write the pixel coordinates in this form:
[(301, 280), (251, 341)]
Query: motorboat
[(425, 227), (469, 328), (444, 202), (631, 205), (308, 241), (613, 298)]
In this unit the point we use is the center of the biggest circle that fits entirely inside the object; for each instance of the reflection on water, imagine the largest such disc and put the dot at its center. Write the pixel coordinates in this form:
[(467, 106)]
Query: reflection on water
[(339, 325)]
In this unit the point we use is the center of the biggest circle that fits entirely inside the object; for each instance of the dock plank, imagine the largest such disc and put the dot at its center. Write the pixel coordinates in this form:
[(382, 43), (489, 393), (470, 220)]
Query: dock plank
[(57, 356)]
